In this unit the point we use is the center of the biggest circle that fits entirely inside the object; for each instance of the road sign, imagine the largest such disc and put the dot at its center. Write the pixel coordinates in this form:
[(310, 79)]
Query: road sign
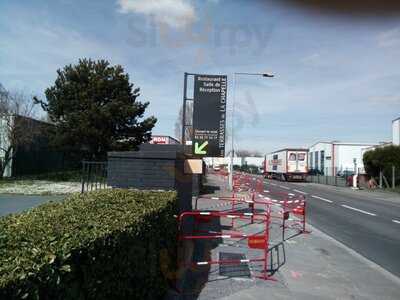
[(199, 149), (257, 242), (209, 115)]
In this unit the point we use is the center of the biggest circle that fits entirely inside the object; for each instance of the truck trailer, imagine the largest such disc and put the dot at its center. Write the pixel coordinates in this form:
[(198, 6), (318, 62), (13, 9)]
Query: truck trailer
[(287, 164)]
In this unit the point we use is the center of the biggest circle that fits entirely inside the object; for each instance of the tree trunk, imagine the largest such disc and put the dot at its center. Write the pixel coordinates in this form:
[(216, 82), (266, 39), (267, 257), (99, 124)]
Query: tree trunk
[(4, 163)]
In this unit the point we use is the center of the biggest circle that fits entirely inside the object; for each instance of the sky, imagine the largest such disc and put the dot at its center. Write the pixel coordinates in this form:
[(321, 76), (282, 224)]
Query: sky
[(337, 75)]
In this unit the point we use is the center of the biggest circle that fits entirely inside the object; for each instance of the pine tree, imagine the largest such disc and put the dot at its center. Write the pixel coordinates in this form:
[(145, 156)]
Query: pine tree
[(96, 109)]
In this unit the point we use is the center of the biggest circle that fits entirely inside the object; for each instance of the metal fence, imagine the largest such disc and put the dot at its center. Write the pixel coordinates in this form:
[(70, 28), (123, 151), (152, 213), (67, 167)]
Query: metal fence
[(94, 176), (328, 180), (389, 178)]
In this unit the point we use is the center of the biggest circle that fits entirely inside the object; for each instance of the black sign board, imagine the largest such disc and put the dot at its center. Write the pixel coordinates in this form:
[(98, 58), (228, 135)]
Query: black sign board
[(209, 115)]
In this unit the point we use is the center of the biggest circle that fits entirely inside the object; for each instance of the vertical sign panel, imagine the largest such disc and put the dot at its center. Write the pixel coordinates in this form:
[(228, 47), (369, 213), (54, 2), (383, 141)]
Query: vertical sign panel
[(209, 115)]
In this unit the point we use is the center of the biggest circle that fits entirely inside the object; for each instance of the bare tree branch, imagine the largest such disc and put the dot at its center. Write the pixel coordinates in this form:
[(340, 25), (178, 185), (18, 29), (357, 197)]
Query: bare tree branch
[(189, 121), (17, 125)]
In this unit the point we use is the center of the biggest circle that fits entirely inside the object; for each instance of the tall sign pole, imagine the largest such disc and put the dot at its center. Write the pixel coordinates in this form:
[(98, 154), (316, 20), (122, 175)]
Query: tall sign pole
[(185, 117), (183, 137), (233, 118)]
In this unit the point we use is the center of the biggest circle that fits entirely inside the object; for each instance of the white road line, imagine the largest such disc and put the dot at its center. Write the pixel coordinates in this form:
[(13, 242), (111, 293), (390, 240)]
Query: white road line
[(396, 221), (323, 199), (359, 210), (284, 187), (273, 184), (301, 192)]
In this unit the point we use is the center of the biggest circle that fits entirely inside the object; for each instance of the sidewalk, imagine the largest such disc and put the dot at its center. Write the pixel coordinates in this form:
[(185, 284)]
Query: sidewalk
[(317, 267)]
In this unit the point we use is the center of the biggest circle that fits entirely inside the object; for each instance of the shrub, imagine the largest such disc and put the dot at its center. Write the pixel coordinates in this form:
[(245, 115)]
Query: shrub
[(381, 159), (100, 245)]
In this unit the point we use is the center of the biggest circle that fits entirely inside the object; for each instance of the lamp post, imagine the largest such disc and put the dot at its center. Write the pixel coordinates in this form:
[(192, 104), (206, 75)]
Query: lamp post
[(265, 75)]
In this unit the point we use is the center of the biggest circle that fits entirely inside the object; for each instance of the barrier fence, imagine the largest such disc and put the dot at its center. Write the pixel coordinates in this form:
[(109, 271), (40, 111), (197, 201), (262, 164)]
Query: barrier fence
[(94, 176), (328, 180), (250, 203), (257, 241)]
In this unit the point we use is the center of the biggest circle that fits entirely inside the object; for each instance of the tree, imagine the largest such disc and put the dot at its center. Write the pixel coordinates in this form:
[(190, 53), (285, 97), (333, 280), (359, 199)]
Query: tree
[(96, 109), (382, 159), (189, 121), (247, 153), (17, 126)]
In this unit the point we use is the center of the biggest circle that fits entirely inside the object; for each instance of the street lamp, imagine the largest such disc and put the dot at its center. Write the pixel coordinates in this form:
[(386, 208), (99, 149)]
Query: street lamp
[(264, 75)]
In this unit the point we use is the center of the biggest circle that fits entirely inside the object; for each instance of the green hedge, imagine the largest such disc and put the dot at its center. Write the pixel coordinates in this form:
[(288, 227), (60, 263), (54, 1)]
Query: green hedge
[(100, 245)]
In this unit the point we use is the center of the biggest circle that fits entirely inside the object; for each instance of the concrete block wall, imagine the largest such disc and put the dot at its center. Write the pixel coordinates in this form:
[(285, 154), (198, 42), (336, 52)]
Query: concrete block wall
[(153, 167), (145, 169)]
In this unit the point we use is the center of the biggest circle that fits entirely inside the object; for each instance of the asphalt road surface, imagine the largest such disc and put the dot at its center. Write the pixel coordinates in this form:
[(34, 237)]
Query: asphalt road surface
[(18, 203), (364, 221)]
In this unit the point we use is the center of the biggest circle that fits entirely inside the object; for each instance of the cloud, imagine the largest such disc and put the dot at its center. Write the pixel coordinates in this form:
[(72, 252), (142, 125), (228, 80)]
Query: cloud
[(175, 13), (385, 100), (50, 47), (389, 38), (313, 59)]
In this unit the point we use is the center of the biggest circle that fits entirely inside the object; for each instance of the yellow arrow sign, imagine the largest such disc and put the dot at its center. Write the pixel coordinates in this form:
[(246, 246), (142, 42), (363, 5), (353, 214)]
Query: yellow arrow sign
[(200, 149)]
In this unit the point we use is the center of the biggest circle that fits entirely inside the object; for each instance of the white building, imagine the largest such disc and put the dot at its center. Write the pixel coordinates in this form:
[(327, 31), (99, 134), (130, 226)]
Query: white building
[(335, 157), (237, 161), (396, 132), (395, 137)]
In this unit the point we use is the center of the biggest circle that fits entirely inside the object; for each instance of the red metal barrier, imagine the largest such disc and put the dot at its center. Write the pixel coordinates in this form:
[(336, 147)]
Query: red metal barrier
[(298, 209), (250, 190), (258, 241)]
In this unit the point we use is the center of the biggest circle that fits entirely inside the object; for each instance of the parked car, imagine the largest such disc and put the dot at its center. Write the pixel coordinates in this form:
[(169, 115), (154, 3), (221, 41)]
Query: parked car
[(345, 173), (315, 172)]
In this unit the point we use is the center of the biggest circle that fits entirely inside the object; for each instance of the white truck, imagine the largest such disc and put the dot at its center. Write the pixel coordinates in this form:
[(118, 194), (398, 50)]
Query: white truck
[(287, 164)]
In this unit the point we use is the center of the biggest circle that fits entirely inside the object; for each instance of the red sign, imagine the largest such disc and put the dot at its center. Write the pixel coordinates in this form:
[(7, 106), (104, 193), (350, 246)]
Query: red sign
[(159, 140), (257, 242)]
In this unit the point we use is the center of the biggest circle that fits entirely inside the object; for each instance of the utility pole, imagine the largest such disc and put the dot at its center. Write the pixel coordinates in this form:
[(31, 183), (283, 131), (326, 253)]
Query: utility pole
[(393, 177), (233, 119)]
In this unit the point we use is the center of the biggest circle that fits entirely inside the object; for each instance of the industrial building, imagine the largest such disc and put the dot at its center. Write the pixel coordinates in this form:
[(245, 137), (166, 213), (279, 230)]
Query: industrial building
[(237, 161), (395, 137), (30, 153), (396, 132), (337, 158)]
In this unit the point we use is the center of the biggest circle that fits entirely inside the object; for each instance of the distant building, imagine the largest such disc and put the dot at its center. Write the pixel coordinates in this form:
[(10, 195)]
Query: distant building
[(396, 132), (395, 137), (237, 161), (163, 140), (33, 154), (332, 158)]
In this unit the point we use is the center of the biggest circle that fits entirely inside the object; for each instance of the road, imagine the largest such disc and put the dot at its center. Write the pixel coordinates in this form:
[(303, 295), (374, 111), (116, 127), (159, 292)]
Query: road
[(362, 221), (18, 203)]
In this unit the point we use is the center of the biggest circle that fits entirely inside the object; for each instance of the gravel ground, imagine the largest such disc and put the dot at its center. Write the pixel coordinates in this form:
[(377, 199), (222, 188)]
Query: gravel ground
[(40, 187)]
